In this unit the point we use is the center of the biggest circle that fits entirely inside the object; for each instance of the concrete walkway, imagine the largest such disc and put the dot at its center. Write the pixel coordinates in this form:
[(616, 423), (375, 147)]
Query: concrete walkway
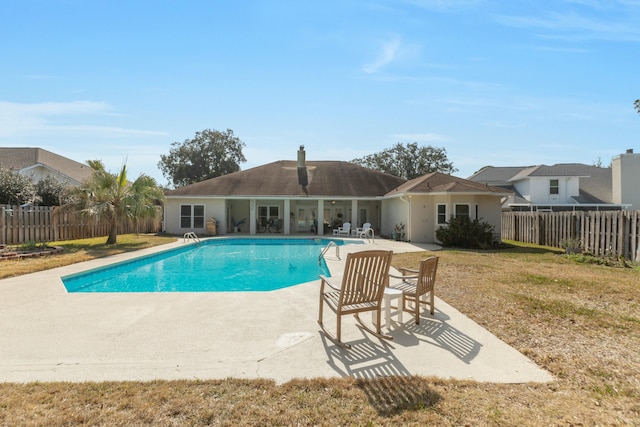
[(47, 334)]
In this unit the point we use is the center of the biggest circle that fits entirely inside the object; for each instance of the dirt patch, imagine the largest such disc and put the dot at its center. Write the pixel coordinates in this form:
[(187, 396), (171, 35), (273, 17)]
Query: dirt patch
[(9, 253)]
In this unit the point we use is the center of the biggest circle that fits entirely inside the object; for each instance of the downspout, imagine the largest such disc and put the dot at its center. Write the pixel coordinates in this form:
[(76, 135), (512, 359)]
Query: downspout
[(408, 202)]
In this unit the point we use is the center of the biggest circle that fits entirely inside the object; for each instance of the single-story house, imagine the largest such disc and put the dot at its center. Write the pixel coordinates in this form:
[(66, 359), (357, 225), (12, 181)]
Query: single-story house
[(38, 164), (315, 197), (568, 186)]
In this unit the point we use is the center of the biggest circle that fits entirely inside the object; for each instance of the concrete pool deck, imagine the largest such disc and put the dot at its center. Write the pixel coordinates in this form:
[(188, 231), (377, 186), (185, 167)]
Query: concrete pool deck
[(47, 334)]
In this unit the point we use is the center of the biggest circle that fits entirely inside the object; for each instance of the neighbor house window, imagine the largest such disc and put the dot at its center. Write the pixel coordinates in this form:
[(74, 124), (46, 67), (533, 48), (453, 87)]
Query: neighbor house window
[(462, 210), (554, 186), (442, 214), (191, 216)]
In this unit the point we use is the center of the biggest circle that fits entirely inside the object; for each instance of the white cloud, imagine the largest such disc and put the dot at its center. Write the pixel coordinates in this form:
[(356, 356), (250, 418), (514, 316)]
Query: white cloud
[(387, 54), (574, 26), (43, 118)]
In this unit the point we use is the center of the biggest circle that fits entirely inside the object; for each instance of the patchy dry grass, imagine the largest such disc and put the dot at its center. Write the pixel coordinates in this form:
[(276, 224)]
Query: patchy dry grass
[(81, 250), (579, 321)]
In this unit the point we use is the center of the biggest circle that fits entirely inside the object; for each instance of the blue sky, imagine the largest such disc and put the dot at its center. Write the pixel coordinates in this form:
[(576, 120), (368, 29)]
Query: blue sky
[(502, 83)]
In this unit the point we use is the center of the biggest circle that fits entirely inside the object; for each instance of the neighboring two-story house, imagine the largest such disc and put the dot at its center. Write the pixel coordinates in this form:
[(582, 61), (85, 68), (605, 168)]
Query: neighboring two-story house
[(568, 186)]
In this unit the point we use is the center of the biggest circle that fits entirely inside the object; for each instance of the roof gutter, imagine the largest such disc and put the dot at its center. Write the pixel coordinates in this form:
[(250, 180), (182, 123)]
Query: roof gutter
[(449, 193)]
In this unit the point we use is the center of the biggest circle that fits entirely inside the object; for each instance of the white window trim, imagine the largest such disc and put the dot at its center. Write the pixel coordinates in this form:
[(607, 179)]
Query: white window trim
[(446, 208), (455, 209), (269, 217), (192, 217)]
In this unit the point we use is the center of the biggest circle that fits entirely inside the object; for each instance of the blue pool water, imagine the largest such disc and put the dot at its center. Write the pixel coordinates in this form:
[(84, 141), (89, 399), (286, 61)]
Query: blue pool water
[(212, 266)]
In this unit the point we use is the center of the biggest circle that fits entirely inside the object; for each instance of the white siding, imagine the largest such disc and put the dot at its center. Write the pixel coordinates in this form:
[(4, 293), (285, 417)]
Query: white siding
[(536, 189)]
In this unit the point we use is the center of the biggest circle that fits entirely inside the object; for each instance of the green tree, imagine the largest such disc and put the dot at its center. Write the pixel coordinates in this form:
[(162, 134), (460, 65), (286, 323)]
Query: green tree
[(52, 192), (15, 189), (112, 197), (408, 161), (636, 105), (209, 154)]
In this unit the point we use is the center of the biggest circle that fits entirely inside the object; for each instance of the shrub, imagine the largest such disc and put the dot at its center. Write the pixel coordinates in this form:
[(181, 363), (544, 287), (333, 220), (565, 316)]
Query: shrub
[(462, 232), (15, 189), (572, 245), (52, 192)]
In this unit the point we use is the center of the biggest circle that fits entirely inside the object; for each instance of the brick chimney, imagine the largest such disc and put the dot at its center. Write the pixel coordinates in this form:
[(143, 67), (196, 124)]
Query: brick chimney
[(303, 178)]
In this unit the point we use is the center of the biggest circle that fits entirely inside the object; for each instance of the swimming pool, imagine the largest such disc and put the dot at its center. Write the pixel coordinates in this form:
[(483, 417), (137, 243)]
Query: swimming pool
[(214, 265)]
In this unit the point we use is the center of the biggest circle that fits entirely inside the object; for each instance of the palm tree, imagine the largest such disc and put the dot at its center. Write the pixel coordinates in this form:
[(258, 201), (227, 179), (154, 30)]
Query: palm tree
[(112, 197)]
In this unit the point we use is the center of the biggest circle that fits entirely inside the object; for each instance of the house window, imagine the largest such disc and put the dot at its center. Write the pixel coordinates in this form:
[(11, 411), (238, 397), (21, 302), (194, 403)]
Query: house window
[(462, 210), (554, 186), (191, 216), (442, 214), (268, 214)]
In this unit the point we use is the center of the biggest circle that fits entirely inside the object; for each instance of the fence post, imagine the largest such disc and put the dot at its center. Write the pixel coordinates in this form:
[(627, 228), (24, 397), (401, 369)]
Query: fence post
[(3, 229)]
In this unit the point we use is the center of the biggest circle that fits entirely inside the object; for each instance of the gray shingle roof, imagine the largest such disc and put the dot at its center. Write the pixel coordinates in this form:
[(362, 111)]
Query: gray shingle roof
[(280, 179), (21, 158), (497, 175), (561, 169), (437, 182), (595, 182)]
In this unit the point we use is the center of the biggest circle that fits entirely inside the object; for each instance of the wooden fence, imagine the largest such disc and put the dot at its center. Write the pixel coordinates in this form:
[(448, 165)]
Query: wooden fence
[(51, 224), (601, 233)]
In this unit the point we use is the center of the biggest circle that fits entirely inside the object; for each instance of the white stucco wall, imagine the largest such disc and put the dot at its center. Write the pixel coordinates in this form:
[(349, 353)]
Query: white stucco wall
[(625, 174), (490, 211), (419, 212), (213, 208), (39, 172), (422, 220), (394, 211)]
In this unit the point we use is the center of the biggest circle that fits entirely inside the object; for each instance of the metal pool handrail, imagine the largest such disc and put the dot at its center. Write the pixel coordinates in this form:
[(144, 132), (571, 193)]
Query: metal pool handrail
[(326, 248)]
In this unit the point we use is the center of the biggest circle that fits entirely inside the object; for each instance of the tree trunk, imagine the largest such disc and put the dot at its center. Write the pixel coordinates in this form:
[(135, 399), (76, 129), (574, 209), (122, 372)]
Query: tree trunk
[(113, 232)]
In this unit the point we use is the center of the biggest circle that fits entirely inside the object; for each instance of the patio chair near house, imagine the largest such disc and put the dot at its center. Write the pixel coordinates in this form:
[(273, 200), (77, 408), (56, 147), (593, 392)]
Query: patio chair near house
[(362, 287), (345, 230), (364, 230), (275, 225), (416, 284)]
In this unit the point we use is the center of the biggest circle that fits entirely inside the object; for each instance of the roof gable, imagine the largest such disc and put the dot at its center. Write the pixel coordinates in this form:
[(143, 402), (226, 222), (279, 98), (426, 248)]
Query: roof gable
[(595, 182), (23, 159), (437, 182), (497, 175), (503, 175), (559, 170)]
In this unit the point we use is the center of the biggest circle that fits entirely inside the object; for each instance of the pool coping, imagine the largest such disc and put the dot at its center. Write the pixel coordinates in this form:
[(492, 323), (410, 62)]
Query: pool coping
[(181, 248), (51, 335)]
